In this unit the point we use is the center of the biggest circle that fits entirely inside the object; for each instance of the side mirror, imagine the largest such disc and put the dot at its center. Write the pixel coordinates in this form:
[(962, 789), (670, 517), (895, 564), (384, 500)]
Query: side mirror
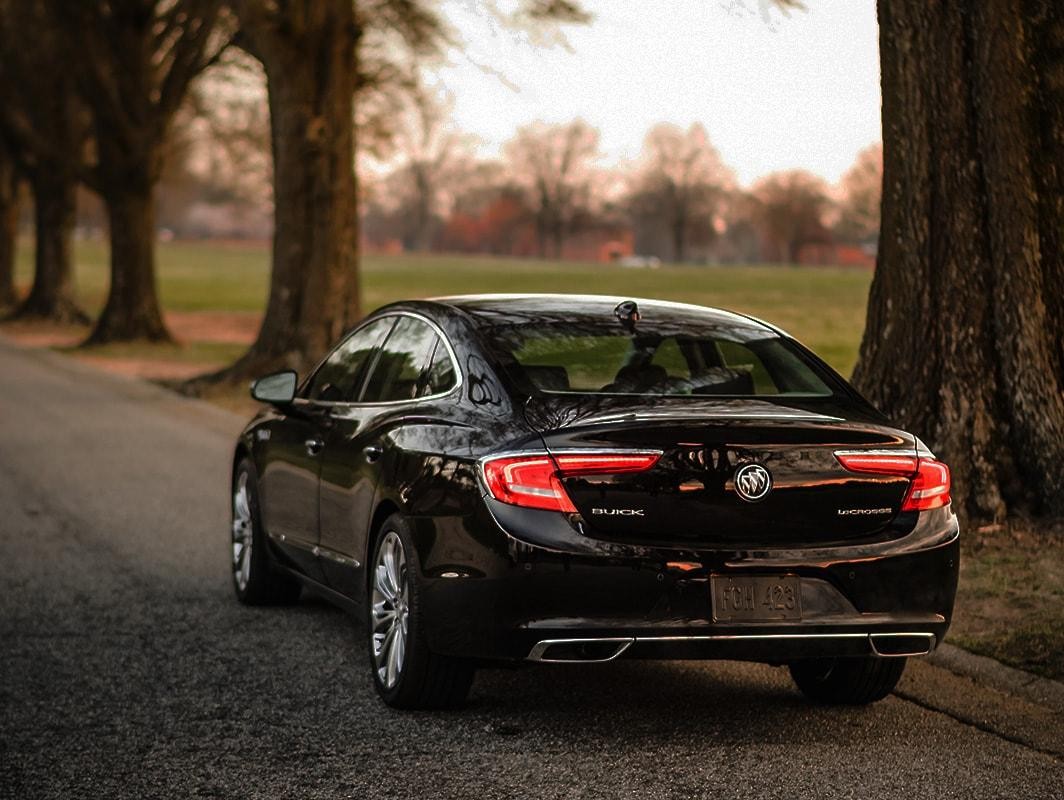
[(277, 389)]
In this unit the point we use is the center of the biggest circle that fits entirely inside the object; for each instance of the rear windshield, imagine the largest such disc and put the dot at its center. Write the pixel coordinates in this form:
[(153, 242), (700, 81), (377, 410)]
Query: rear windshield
[(588, 358)]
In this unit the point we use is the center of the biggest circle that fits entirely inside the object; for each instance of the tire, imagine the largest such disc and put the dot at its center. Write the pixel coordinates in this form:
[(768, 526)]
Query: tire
[(847, 681), (256, 581), (406, 673)]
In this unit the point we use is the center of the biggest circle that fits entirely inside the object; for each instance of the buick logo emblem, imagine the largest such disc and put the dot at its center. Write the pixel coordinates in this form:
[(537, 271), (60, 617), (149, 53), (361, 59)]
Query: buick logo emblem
[(752, 482)]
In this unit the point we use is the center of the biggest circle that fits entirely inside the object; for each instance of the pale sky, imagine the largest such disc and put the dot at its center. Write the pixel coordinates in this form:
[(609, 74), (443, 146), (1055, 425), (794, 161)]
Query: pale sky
[(797, 91)]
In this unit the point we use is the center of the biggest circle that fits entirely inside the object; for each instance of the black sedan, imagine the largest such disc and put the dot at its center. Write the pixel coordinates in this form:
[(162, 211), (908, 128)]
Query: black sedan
[(551, 478)]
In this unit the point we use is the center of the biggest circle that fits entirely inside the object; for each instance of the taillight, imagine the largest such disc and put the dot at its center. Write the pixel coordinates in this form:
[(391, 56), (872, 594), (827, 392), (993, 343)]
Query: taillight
[(534, 481), (930, 488), (930, 478)]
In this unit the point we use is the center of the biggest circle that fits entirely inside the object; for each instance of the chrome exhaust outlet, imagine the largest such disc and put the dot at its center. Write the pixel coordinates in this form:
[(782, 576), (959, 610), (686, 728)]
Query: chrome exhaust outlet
[(901, 645), (578, 651)]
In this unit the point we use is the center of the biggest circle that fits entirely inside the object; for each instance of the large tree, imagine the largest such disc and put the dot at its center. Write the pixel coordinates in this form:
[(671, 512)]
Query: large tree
[(554, 163), (680, 185), (318, 57), (133, 61), (307, 49), (789, 210), (432, 156), (965, 335), (47, 131)]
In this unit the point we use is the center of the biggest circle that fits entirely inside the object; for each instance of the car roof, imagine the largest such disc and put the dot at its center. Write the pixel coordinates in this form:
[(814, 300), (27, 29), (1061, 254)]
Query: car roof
[(591, 305)]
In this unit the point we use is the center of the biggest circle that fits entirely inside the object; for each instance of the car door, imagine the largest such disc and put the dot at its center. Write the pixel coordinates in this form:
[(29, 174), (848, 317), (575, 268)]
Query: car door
[(360, 448), (292, 459)]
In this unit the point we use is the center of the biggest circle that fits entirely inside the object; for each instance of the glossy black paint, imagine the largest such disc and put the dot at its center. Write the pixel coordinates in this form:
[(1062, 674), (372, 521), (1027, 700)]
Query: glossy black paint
[(500, 578)]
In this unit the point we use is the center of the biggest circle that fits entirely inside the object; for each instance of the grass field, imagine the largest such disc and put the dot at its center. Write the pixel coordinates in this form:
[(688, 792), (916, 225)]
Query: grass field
[(822, 306)]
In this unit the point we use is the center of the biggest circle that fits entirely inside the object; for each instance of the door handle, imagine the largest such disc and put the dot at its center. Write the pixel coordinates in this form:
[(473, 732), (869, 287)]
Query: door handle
[(314, 445), (373, 452)]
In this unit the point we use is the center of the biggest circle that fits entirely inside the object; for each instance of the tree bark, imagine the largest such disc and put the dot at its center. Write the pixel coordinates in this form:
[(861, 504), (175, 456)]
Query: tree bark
[(558, 240), (679, 240), (132, 310), (52, 294), (314, 293), (9, 186), (963, 341)]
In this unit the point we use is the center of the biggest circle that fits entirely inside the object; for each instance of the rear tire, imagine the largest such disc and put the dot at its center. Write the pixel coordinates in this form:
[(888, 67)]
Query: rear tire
[(256, 581), (847, 681), (406, 673)]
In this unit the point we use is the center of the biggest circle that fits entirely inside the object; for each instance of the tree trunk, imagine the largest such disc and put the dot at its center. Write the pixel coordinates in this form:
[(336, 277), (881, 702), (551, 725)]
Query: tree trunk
[(132, 309), (542, 234), (314, 292), (52, 295), (679, 237), (423, 210), (963, 341), (9, 186)]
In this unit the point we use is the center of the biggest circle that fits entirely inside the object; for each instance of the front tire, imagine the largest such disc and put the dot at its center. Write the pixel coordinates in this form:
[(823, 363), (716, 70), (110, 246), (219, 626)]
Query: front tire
[(255, 580), (406, 673), (847, 681)]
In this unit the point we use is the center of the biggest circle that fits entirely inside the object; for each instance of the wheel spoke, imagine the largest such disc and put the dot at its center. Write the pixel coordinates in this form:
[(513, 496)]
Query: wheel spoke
[(392, 663), (392, 568), (399, 645), (383, 654), (381, 584)]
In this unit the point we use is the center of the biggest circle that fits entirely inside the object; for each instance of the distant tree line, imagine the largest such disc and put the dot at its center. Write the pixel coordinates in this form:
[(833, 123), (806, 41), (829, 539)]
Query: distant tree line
[(678, 201)]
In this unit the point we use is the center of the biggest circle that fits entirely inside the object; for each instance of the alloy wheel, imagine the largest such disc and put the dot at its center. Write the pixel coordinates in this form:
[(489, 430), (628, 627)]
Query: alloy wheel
[(243, 533), (390, 610)]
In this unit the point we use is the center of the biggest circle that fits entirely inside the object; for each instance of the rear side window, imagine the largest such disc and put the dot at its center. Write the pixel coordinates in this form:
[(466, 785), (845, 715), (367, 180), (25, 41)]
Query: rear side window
[(341, 374), (592, 358), (403, 358), (439, 377)]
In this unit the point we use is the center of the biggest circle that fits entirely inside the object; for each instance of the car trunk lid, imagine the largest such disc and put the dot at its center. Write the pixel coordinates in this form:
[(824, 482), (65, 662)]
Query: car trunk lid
[(694, 493)]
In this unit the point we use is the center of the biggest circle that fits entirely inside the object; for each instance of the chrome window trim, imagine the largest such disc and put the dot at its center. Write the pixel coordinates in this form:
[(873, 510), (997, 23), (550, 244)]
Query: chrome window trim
[(459, 375)]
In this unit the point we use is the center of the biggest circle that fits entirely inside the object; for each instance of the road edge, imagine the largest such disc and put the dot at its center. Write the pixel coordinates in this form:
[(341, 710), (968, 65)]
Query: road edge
[(990, 672), (198, 410)]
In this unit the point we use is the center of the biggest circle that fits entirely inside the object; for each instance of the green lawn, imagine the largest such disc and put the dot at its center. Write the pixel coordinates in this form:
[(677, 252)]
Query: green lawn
[(822, 306)]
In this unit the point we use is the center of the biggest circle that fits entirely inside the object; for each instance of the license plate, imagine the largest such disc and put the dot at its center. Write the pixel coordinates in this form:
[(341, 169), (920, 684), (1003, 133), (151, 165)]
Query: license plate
[(755, 598)]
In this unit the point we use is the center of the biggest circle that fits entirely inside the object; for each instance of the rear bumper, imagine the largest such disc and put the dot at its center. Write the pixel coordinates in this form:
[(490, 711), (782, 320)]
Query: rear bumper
[(566, 597)]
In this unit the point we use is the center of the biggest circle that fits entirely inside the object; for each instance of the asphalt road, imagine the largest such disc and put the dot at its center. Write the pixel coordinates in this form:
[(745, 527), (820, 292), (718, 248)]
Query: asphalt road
[(128, 670)]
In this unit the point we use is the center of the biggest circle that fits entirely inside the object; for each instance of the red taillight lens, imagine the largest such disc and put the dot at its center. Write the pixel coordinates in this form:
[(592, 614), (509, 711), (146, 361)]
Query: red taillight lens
[(931, 480), (529, 481), (879, 464), (533, 481), (930, 488)]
